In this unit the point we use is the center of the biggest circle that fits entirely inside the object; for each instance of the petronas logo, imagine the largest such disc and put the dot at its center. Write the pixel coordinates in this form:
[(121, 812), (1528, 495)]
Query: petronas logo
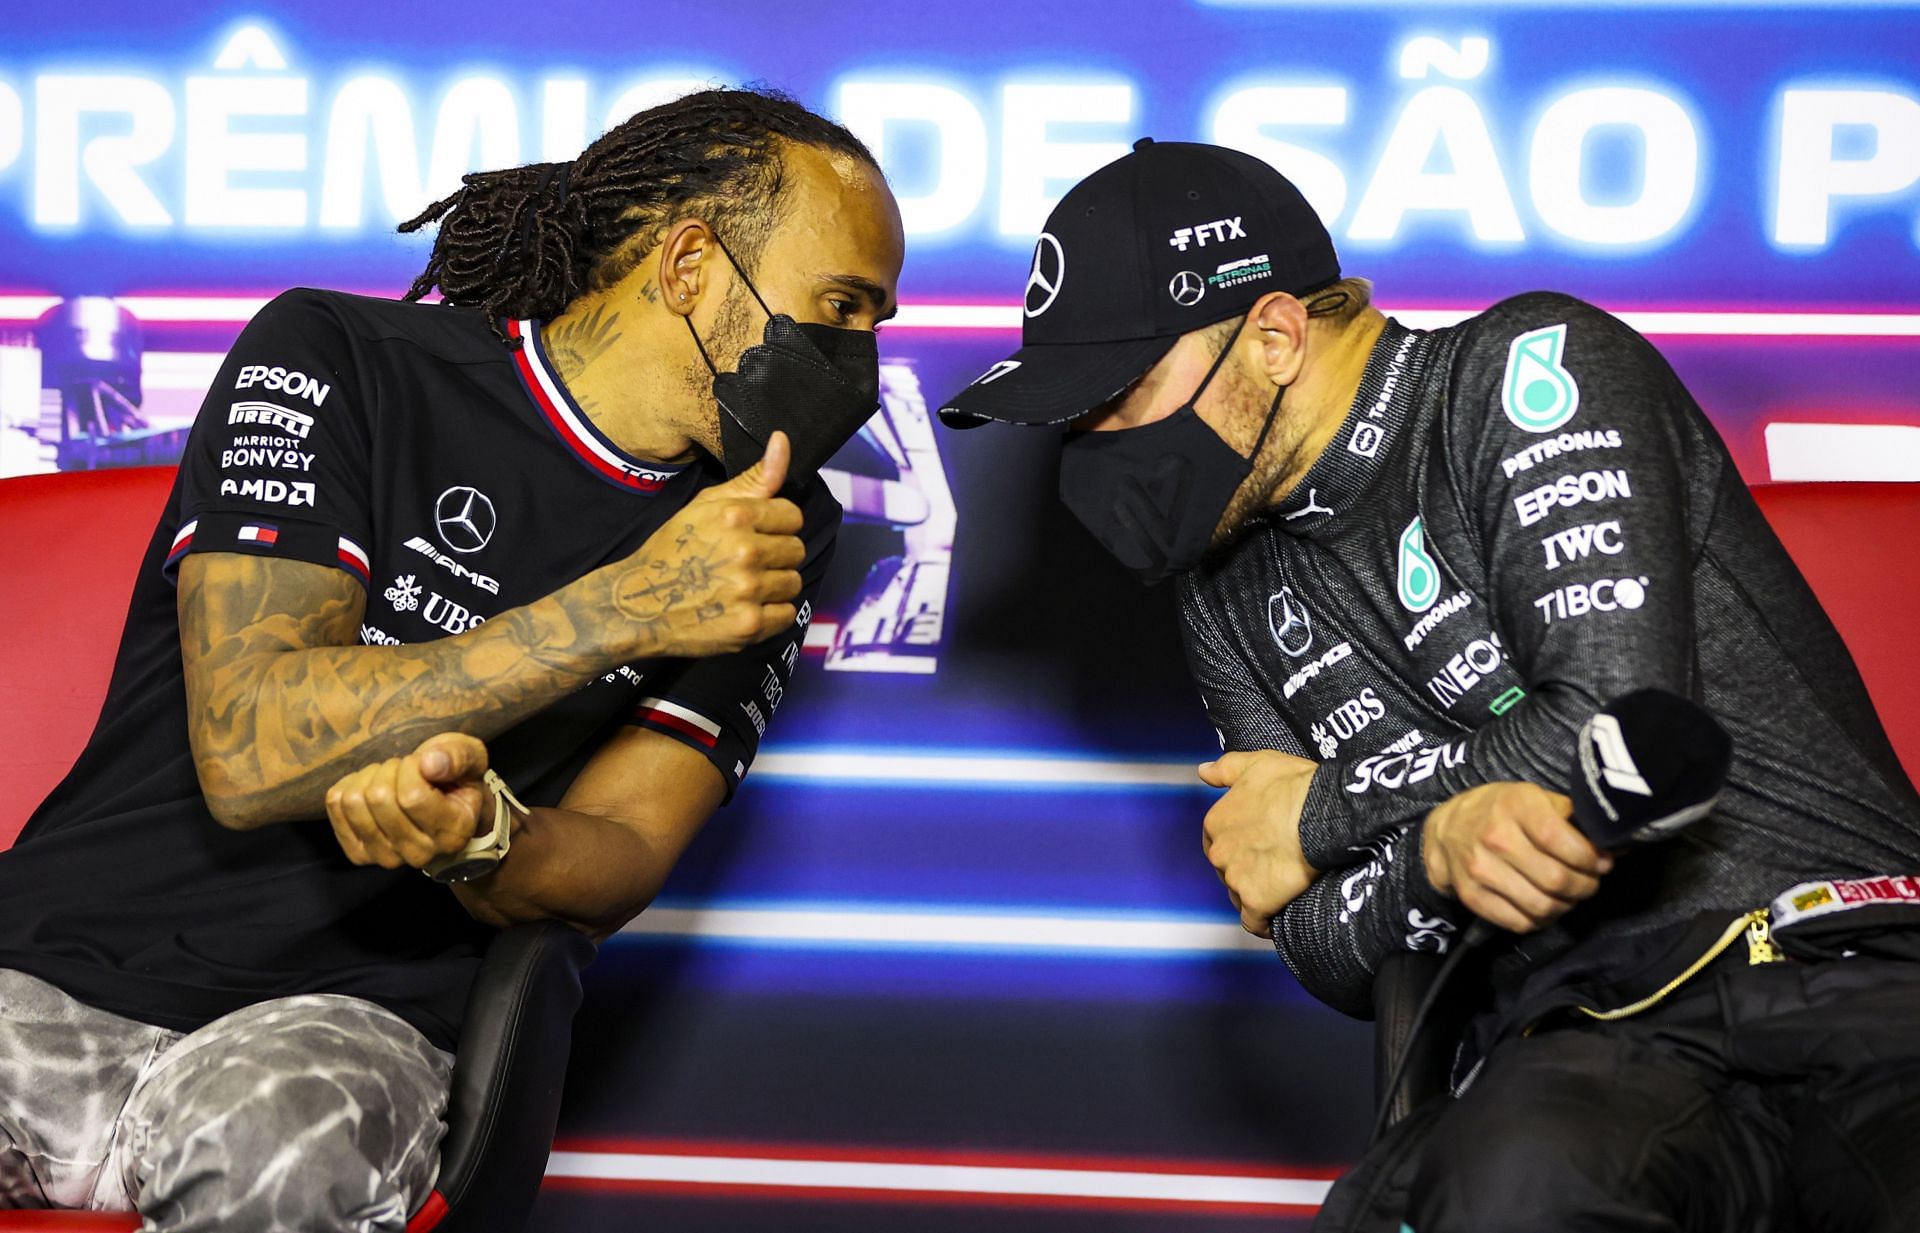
[(1539, 395), (1419, 576)]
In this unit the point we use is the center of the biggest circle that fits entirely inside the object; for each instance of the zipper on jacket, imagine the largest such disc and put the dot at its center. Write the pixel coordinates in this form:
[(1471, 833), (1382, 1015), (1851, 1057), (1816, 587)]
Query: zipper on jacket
[(1760, 949)]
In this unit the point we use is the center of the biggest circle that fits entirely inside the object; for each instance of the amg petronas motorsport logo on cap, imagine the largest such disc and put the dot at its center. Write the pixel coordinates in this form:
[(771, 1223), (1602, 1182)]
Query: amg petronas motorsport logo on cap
[(1164, 241)]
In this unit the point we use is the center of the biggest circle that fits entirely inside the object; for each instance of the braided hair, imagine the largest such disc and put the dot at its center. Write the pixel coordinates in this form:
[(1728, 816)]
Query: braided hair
[(525, 241)]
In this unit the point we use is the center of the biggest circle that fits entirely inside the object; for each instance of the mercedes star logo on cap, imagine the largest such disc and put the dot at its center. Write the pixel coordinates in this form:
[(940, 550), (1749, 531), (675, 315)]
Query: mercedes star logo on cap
[(464, 518), (1049, 272), (1187, 288)]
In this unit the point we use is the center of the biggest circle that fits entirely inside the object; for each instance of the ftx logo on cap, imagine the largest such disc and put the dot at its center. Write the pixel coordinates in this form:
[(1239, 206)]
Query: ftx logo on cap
[(1168, 239)]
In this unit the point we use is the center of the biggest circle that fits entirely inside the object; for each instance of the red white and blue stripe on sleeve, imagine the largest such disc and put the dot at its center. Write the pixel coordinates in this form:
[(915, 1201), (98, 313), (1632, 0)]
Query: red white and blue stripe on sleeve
[(671, 717), (349, 555)]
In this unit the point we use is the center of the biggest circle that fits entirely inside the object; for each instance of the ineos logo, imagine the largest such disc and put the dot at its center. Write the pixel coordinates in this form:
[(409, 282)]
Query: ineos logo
[(1048, 276), (1186, 288), (464, 519)]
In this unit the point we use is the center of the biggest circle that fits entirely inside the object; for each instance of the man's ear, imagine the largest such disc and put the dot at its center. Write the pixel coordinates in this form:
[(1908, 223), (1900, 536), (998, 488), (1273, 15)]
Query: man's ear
[(682, 265), (1280, 323)]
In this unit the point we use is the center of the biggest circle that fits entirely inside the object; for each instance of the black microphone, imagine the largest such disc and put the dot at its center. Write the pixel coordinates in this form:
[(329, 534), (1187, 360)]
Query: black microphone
[(1647, 766)]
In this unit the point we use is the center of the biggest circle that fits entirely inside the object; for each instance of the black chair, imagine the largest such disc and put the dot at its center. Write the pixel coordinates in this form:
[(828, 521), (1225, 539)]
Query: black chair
[(510, 1066), (1399, 987)]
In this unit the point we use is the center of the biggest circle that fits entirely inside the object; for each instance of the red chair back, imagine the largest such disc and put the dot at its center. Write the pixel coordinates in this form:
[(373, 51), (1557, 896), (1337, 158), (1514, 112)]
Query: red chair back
[(1850, 540), (72, 546), (76, 539)]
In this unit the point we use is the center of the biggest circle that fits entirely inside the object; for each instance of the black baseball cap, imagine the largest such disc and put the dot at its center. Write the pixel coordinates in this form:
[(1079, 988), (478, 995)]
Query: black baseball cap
[(1158, 243)]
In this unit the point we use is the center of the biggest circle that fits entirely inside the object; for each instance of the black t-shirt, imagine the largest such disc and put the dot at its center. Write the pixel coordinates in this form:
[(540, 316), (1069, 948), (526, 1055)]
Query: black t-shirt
[(455, 479)]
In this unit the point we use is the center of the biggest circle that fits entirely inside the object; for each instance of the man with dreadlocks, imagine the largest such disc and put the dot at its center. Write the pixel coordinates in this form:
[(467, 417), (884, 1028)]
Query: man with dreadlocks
[(424, 563)]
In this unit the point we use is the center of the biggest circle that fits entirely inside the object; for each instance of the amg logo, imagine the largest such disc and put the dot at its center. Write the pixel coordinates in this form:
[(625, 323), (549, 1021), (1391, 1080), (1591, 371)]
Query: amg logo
[(1308, 671), (490, 585), (1441, 611)]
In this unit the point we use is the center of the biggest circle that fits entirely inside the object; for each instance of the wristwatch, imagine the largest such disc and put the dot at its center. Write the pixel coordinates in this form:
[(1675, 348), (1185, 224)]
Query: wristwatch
[(484, 852)]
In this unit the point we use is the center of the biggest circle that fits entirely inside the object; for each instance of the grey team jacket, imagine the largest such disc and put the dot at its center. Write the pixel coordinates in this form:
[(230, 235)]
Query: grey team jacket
[(1523, 517)]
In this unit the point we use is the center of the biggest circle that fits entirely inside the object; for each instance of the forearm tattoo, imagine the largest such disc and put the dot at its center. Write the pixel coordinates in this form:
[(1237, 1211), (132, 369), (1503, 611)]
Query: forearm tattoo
[(282, 701)]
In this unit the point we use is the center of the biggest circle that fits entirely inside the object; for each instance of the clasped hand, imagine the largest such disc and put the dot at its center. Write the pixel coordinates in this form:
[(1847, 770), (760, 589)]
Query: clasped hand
[(1251, 836)]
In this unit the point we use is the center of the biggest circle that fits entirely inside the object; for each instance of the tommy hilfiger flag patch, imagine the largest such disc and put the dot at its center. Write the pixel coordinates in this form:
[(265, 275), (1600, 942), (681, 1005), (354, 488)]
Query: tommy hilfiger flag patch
[(258, 533)]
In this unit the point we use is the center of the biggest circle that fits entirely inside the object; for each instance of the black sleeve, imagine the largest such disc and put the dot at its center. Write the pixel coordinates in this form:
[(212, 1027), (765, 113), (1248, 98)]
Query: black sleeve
[(278, 461), (1335, 935), (722, 705), (1566, 439), (1241, 715)]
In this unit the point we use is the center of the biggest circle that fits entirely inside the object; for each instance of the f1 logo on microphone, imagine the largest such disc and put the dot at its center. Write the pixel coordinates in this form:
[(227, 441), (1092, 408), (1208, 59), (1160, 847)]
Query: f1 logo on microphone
[(1617, 766)]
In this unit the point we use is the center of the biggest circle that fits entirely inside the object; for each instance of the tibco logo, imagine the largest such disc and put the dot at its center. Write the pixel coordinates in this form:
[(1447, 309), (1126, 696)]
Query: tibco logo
[(1577, 599)]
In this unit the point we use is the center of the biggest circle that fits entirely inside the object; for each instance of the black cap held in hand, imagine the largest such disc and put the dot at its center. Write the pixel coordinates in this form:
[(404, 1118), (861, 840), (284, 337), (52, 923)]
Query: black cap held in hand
[(1650, 764), (1161, 242)]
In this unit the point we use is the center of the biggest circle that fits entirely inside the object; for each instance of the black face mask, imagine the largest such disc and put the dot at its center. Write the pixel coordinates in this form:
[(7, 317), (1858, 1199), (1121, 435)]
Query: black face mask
[(1153, 495), (816, 383)]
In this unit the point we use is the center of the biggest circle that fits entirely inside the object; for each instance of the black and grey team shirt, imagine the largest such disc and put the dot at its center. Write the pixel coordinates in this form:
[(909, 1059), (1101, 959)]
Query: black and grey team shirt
[(454, 479), (1521, 518)]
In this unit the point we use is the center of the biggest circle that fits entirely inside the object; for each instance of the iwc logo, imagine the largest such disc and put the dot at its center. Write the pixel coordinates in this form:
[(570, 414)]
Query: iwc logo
[(464, 519)]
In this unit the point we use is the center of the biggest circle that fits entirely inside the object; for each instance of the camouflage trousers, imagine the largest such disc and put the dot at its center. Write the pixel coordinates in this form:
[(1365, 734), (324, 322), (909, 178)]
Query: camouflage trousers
[(319, 1112)]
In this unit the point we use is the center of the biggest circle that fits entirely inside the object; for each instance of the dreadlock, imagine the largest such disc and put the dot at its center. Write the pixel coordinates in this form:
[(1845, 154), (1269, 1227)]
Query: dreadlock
[(525, 241)]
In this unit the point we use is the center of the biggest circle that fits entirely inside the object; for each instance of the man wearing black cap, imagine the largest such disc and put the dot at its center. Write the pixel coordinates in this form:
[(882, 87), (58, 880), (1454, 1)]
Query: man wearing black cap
[(1411, 566)]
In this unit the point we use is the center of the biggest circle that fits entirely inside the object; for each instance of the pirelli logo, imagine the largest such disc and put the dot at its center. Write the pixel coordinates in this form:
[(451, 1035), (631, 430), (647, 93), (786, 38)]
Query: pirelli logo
[(271, 415)]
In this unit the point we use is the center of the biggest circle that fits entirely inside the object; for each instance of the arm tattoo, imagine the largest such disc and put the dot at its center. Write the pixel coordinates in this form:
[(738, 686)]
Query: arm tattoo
[(282, 701)]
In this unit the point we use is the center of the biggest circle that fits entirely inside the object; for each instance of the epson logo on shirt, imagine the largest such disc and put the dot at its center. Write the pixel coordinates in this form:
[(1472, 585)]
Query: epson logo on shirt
[(287, 381), (1571, 490), (271, 415), (279, 492), (1396, 772)]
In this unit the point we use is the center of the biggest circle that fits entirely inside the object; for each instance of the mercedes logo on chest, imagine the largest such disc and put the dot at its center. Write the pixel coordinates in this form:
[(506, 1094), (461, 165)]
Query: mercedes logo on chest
[(1048, 276), (1287, 620), (1186, 288), (464, 518)]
